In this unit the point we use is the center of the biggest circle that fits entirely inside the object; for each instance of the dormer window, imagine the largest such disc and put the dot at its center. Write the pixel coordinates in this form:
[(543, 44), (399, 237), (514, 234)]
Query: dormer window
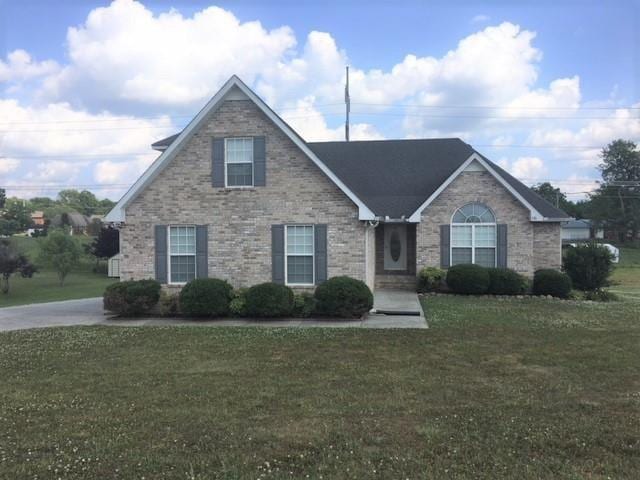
[(239, 162)]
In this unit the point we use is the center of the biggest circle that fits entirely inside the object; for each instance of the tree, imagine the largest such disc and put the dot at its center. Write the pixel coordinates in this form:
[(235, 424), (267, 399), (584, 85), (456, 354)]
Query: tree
[(3, 197), (16, 210), (60, 251), (106, 244), (556, 197), (616, 204), (12, 262)]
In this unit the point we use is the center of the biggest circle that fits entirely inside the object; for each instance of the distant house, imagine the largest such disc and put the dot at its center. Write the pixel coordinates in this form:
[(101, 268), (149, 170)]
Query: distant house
[(75, 220), (580, 230), (37, 218)]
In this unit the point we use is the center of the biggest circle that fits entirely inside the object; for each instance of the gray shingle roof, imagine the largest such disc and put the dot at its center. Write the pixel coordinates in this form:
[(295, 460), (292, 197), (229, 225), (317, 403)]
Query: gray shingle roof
[(394, 177)]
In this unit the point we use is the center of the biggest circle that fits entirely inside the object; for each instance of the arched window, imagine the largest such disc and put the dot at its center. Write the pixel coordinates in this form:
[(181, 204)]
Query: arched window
[(473, 235)]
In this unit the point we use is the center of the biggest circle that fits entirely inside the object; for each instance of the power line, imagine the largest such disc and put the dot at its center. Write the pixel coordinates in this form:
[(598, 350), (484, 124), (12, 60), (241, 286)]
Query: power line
[(138, 118), (395, 114), (495, 107)]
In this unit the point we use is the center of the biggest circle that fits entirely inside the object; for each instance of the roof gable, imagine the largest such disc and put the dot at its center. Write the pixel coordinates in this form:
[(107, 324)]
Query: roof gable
[(234, 88)]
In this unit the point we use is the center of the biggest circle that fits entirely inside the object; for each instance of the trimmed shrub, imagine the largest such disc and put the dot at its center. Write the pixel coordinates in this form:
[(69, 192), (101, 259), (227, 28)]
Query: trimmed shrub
[(504, 281), (343, 297), (269, 300), (304, 304), (169, 304), (206, 297), (131, 298), (238, 304), (551, 282), (468, 279), (431, 279), (589, 266)]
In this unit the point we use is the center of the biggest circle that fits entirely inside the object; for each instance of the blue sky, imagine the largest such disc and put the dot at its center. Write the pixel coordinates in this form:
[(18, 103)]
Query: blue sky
[(86, 86)]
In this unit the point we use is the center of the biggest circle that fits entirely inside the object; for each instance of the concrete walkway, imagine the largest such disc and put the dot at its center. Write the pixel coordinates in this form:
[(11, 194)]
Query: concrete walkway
[(88, 311), (401, 307)]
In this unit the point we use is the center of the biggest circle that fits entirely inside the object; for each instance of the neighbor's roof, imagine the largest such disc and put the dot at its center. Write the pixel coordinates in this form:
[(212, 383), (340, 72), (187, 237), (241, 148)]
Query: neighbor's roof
[(395, 177), (578, 224)]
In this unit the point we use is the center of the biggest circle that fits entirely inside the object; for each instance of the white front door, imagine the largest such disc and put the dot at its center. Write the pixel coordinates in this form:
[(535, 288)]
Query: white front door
[(395, 246)]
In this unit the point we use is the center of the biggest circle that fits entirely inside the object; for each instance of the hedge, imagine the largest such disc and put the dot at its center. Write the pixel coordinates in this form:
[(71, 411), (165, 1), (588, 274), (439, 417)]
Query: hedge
[(206, 297), (343, 297), (131, 298)]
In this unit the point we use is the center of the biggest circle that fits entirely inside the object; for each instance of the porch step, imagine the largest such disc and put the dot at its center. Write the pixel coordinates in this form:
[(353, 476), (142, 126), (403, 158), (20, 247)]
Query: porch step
[(396, 282)]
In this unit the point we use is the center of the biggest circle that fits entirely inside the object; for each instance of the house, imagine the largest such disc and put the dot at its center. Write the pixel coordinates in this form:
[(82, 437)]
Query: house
[(580, 230), (37, 218), (77, 222), (239, 195)]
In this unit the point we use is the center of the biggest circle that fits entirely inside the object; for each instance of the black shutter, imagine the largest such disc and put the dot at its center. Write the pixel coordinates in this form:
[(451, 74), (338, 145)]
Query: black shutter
[(259, 162), (320, 242), (161, 253), (277, 254), (502, 246), (445, 244), (217, 162), (202, 260)]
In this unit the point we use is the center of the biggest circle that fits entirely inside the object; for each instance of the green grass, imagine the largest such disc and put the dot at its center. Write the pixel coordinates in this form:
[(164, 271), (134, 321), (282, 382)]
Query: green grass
[(527, 389), (44, 285), (626, 275)]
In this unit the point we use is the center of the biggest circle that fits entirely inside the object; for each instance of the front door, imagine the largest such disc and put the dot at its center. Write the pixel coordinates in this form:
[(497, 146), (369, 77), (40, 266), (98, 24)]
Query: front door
[(395, 246)]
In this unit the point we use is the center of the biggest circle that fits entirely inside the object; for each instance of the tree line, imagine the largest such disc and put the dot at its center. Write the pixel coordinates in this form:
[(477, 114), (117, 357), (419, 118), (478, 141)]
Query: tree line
[(15, 213)]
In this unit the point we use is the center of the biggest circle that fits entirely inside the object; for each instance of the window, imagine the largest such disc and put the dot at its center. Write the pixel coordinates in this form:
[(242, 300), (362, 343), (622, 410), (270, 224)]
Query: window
[(239, 162), (182, 254), (299, 255), (473, 236)]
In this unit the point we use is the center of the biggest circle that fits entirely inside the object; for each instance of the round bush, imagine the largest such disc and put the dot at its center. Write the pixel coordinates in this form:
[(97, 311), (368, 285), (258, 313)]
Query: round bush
[(589, 266), (269, 300), (430, 279), (304, 304), (469, 279), (504, 281), (238, 304), (131, 298), (551, 282), (343, 297), (206, 297)]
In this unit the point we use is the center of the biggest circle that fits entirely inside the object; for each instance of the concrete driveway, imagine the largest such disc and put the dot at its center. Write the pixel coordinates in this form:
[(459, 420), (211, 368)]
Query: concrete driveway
[(88, 311)]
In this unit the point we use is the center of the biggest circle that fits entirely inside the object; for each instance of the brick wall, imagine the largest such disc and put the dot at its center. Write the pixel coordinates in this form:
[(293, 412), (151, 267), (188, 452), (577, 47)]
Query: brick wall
[(530, 245), (240, 220), (547, 246)]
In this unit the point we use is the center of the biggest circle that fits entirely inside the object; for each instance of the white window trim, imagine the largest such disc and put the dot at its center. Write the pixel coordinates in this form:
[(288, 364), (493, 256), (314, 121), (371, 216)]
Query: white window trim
[(169, 255), (313, 256), (253, 173), (473, 226), (473, 241)]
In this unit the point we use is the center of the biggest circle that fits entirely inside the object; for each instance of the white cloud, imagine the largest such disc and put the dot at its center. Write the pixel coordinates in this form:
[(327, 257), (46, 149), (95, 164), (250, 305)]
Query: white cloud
[(310, 123), (19, 66), (8, 165), (56, 143), (480, 18), (125, 53), (622, 123), (527, 169)]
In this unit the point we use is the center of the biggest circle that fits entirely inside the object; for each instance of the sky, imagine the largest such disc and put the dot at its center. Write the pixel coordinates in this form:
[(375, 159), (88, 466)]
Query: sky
[(539, 87)]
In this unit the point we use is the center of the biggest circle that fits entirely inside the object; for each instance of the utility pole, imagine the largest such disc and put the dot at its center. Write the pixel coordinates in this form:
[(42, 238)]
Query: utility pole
[(347, 101)]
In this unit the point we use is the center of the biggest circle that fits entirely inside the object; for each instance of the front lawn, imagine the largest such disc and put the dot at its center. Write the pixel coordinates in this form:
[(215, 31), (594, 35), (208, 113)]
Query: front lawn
[(530, 388), (44, 285)]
